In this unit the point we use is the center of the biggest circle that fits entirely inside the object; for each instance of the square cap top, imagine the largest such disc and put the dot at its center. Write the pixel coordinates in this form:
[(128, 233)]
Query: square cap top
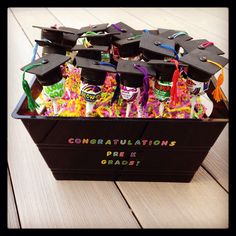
[(54, 34), (49, 71), (176, 35), (69, 29), (93, 71), (202, 44), (80, 47), (94, 28), (100, 38), (91, 53), (122, 28), (199, 68), (54, 29), (156, 47), (51, 47), (155, 32), (130, 76), (165, 68)]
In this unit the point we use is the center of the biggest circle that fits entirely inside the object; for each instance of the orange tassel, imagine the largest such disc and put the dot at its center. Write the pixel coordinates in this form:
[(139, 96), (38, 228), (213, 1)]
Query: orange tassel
[(217, 93)]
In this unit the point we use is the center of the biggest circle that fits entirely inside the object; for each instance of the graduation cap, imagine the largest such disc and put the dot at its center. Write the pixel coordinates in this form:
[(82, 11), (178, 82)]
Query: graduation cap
[(200, 69), (124, 30), (165, 68), (93, 71), (53, 34), (157, 47), (93, 52), (50, 47), (130, 76), (169, 71), (129, 47), (100, 38), (202, 44), (47, 68), (94, 28)]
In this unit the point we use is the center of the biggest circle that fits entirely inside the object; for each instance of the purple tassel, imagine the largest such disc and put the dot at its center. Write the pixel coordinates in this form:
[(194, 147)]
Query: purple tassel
[(145, 84), (117, 90)]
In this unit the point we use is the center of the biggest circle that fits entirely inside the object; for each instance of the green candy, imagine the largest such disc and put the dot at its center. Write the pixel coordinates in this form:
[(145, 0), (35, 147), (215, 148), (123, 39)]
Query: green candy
[(56, 90), (162, 90)]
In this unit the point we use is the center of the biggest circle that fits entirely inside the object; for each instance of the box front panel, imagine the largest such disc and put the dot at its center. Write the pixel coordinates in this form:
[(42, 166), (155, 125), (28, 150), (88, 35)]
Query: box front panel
[(126, 159)]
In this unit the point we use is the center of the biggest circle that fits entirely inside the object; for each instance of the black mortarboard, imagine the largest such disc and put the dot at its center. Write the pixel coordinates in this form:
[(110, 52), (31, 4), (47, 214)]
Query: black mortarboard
[(50, 47), (199, 69), (156, 47), (165, 68), (92, 72), (176, 35), (100, 38), (69, 39), (53, 34), (49, 72), (124, 30), (69, 29), (91, 53), (130, 76), (128, 47), (202, 44), (94, 28)]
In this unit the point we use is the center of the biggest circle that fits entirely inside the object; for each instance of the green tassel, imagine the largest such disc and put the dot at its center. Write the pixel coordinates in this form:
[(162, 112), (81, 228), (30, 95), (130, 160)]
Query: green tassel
[(32, 105)]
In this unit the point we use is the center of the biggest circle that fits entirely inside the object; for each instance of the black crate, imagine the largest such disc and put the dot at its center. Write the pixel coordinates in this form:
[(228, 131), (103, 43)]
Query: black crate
[(122, 149)]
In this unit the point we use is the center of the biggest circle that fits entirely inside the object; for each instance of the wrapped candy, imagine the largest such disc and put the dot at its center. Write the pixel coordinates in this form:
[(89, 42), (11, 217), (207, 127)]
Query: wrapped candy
[(93, 75), (134, 84), (165, 86), (202, 66), (48, 73)]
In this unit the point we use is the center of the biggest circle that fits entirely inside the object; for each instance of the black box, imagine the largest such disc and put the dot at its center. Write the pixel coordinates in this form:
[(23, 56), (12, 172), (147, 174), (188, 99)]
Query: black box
[(123, 149)]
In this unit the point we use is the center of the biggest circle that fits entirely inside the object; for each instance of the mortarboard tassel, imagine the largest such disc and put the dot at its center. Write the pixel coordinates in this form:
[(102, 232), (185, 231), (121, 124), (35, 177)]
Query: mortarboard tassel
[(145, 84), (32, 105), (217, 93), (168, 47), (85, 41), (173, 91), (118, 28), (173, 36), (117, 90)]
